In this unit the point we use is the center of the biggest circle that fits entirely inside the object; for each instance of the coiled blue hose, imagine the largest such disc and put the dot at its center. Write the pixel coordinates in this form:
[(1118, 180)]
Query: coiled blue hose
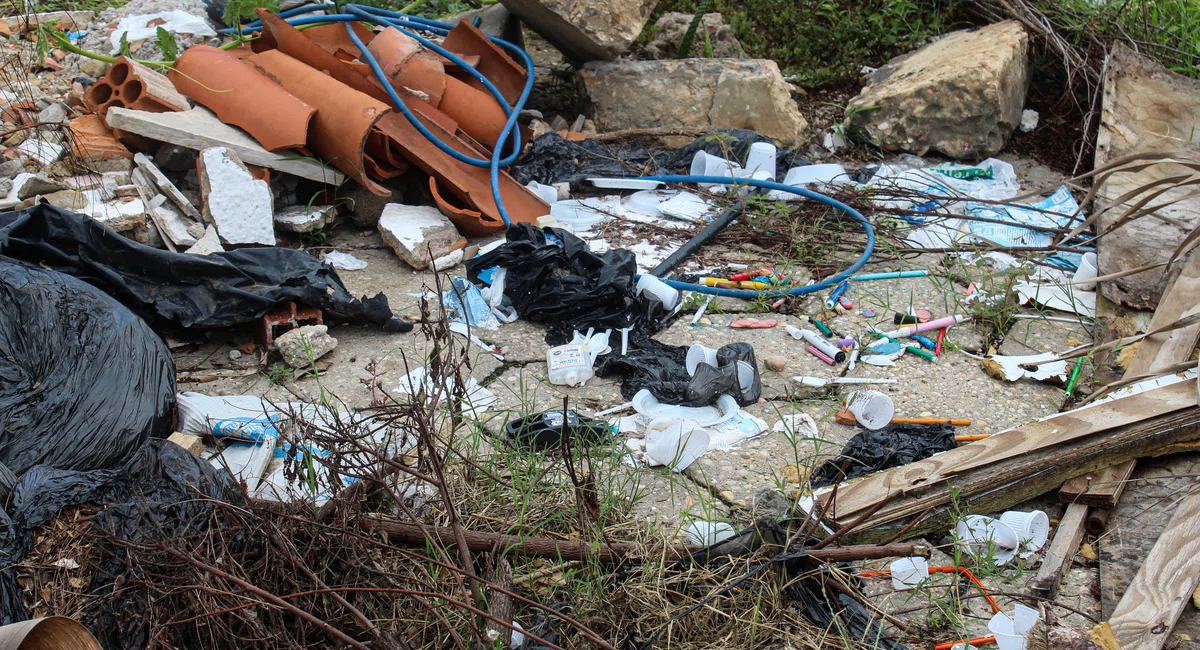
[(407, 23)]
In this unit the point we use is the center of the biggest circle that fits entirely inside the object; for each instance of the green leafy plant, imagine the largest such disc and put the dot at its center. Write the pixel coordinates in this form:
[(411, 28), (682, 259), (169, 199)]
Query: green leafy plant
[(685, 47), (165, 41)]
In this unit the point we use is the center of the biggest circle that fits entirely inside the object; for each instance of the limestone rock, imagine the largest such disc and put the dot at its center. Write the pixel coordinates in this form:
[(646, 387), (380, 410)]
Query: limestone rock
[(670, 30), (416, 231), (209, 243), (1146, 108), (93, 68), (303, 345), (585, 30), (72, 200), (193, 444), (39, 185), (10, 168), (694, 94), (301, 218), (238, 204), (494, 20), (961, 95)]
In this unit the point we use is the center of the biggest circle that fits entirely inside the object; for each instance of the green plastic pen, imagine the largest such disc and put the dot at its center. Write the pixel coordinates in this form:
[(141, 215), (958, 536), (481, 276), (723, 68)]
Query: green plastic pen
[(924, 354), (1074, 378)]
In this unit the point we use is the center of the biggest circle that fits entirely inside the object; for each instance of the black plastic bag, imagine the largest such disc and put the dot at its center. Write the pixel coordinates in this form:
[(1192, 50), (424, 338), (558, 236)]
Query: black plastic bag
[(214, 290), (897, 444), (551, 159), (662, 370), (83, 381), (161, 492), (565, 286)]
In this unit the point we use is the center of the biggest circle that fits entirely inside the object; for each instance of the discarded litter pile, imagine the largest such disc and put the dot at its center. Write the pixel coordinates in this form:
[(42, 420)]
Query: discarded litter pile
[(700, 395)]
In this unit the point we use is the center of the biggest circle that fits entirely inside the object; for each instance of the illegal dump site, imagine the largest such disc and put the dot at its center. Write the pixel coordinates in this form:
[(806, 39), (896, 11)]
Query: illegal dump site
[(575, 324)]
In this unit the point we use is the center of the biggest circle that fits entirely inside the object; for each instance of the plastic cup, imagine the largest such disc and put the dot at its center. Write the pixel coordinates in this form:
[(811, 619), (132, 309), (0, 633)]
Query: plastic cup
[(909, 572), (707, 533), (548, 193), (1032, 528), (666, 294), (1002, 627), (872, 409), (1087, 270), (698, 354), (979, 535), (761, 158), (706, 164), (745, 376), (675, 443)]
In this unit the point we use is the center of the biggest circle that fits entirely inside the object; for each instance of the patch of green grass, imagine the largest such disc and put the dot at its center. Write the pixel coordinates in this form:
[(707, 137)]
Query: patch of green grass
[(72, 5), (824, 41), (1168, 30)]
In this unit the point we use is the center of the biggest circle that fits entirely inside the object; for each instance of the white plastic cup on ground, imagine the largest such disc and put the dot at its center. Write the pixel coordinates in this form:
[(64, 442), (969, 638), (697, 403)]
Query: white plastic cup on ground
[(666, 294), (1087, 271), (706, 164), (909, 572), (698, 354), (762, 158), (981, 535), (675, 443), (548, 193), (1032, 528), (872, 409), (707, 533), (745, 376)]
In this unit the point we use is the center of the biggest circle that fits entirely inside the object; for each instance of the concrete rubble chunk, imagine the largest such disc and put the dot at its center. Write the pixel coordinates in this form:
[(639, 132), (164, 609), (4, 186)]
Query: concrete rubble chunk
[(72, 200), (209, 243), (301, 346), (44, 152), (121, 215), (672, 27), (585, 30), (1146, 108), (302, 218), (193, 444), (171, 224), (416, 231), (10, 168), (961, 95), (694, 94), (198, 128), (239, 205), (152, 173), (40, 184), (53, 114)]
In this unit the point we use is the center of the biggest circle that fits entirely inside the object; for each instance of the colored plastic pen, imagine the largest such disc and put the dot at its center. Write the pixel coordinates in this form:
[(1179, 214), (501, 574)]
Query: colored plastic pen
[(947, 321), (889, 276), (956, 423), (937, 348), (823, 327), (836, 294)]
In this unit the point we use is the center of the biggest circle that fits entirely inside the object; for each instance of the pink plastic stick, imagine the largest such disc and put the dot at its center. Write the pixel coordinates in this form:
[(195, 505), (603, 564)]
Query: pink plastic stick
[(821, 355)]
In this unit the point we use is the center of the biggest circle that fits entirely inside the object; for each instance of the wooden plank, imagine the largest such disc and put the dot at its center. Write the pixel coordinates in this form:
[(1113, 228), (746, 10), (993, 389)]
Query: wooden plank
[(1100, 489), (1057, 429), (1163, 586), (1154, 353), (1063, 547)]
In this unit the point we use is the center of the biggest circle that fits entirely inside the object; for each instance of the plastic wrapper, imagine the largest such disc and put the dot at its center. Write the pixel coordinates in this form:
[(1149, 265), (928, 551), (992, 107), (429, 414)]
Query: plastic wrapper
[(192, 290), (551, 159), (83, 381), (563, 284), (660, 369), (897, 444)]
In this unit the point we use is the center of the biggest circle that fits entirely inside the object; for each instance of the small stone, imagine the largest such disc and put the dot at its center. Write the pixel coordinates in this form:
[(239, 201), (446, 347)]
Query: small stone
[(239, 205), (72, 200), (193, 444), (301, 218), (93, 68), (40, 185), (235, 355), (302, 346), (775, 362), (416, 232), (53, 114), (770, 502), (209, 242), (705, 321), (10, 168), (1029, 120)]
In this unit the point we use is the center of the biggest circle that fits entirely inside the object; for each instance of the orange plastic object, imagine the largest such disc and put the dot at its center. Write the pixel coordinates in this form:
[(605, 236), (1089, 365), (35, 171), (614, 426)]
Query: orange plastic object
[(242, 97), (129, 84), (338, 133), (470, 184)]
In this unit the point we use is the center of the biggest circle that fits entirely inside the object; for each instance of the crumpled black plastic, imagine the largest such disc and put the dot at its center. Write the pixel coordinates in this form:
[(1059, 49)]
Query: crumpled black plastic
[(161, 492), (567, 287), (895, 445), (214, 290), (661, 369), (551, 159), (83, 381)]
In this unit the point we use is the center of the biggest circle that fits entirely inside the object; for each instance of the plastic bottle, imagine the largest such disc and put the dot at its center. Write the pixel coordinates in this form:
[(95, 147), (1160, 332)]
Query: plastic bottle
[(569, 365)]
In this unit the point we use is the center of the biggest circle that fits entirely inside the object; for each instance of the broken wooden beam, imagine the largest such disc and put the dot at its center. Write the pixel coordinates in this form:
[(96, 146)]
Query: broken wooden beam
[(1057, 560), (1163, 586)]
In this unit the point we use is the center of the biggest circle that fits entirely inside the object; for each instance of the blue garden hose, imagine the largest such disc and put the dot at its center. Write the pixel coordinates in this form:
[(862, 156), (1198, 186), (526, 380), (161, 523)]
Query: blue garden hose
[(406, 23)]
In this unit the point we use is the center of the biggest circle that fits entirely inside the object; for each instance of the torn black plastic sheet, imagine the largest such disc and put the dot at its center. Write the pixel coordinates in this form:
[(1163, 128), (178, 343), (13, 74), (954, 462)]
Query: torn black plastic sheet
[(215, 290), (895, 445)]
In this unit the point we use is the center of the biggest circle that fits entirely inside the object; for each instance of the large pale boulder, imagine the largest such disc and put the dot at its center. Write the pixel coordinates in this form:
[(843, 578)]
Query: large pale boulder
[(585, 30), (1146, 108), (672, 28), (694, 94), (961, 95)]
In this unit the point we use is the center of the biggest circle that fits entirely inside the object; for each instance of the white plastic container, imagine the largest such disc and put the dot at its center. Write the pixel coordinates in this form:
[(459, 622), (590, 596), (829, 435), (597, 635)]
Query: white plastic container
[(666, 294), (872, 409), (1087, 271), (675, 443), (706, 164), (698, 354), (569, 365), (1032, 528), (980, 535), (707, 533), (547, 193), (762, 158), (909, 572)]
